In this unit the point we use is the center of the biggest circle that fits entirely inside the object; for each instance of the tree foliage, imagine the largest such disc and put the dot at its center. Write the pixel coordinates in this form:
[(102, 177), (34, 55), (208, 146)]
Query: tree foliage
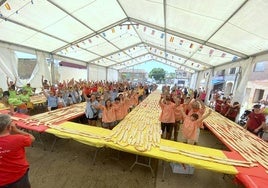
[(157, 74)]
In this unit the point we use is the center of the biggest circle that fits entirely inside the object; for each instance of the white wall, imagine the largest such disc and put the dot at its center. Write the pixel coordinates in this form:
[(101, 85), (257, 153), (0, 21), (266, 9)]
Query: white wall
[(67, 73), (112, 75), (96, 73)]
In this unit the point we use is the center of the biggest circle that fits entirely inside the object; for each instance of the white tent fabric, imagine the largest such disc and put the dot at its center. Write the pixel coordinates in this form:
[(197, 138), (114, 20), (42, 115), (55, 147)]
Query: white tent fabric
[(9, 64), (188, 35)]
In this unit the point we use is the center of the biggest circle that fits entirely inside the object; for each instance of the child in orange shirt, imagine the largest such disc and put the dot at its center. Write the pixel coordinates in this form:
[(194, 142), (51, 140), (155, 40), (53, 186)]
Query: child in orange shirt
[(191, 124), (108, 114), (167, 116)]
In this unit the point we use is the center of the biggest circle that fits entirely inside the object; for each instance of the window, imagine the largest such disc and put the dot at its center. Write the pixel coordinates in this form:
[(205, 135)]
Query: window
[(258, 95), (26, 64), (232, 70), (221, 73), (259, 67)]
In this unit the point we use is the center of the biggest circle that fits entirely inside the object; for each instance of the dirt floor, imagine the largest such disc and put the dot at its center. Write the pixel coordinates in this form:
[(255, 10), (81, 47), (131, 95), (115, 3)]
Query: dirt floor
[(71, 165)]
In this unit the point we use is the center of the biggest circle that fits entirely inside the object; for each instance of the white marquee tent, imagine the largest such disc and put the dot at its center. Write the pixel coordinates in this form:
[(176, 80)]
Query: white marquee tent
[(191, 35)]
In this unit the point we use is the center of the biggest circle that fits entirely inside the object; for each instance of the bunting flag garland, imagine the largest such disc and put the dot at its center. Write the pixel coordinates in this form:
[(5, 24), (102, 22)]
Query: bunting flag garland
[(150, 48), (161, 52), (89, 40), (171, 39), (137, 27), (104, 34), (162, 35), (200, 48), (113, 30), (166, 54), (153, 31), (128, 26), (7, 6), (144, 29), (191, 45), (211, 52), (223, 54), (77, 46), (181, 41), (155, 50)]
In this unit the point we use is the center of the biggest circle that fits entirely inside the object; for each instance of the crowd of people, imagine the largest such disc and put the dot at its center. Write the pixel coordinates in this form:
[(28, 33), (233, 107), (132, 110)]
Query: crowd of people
[(181, 109), (107, 103)]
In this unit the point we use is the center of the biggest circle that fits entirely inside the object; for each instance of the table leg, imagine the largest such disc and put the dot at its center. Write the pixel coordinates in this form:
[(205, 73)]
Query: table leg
[(148, 165)]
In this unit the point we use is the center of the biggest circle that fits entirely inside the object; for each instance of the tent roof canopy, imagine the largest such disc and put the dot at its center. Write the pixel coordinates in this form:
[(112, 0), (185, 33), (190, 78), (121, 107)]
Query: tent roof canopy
[(189, 35)]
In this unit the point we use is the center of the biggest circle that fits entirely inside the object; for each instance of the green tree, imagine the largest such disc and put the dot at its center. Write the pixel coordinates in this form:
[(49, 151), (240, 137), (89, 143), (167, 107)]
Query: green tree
[(157, 73)]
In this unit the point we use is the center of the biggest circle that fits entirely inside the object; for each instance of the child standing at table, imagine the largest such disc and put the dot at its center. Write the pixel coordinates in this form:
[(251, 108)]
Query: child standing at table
[(191, 124)]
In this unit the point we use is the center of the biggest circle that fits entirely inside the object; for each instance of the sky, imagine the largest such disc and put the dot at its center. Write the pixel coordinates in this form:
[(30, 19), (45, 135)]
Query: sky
[(148, 66)]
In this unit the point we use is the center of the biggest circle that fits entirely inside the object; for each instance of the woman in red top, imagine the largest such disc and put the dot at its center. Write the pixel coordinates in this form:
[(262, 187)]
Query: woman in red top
[(233, 111), (225, 106), (13, 165)]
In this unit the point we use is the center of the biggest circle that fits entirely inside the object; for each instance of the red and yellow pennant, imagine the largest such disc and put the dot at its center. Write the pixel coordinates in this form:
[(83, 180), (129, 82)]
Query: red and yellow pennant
[(7, 6), (191, 45), (171, 39), (113, 30)]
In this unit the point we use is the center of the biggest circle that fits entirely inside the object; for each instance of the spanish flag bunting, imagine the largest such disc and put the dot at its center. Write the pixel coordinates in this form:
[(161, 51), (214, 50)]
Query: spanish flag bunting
[(191, 45), (144, 29), (162, 35), (153, 31), (181, 41), (171, 39), (113, 30), (211, 52), (7, 6), (200, 48), (223, 54)]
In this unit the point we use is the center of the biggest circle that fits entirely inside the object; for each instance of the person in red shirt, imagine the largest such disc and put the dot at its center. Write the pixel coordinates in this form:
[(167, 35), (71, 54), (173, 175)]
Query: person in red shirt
[(218, 104), (256, 120), (233, 111), (225, 106), (13, 164)]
